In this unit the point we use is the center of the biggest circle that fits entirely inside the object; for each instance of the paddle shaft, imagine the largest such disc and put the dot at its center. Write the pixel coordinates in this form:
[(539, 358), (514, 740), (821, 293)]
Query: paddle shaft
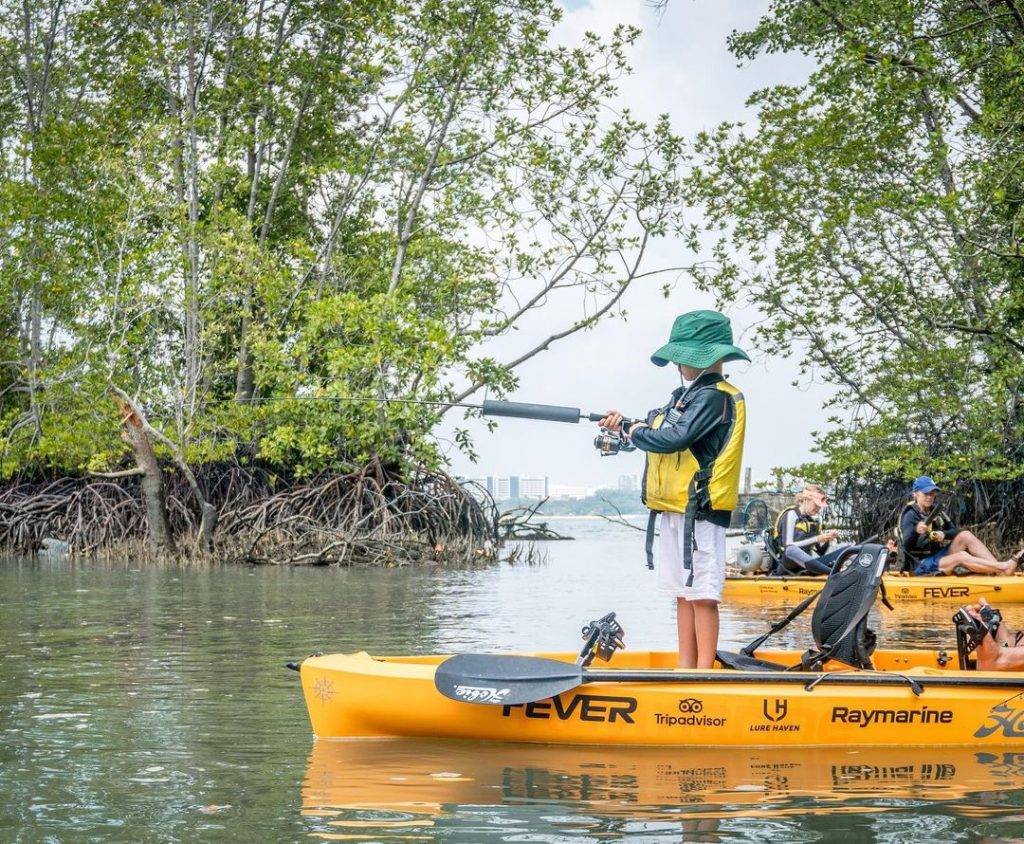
[(843, 678), (775, 628), (512, 680)]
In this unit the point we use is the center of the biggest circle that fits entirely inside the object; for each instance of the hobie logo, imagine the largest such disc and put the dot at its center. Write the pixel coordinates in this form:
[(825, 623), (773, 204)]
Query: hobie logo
[(481, 694), (1002, 717), (775, 710)]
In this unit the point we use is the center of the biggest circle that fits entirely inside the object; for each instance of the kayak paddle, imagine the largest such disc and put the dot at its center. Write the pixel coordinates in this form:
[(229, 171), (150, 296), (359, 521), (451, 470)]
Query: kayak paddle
[(502, 680), (505, 680)]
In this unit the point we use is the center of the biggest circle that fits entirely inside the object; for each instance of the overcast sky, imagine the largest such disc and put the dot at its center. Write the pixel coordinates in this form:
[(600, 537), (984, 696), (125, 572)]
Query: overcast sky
[(682, 67)]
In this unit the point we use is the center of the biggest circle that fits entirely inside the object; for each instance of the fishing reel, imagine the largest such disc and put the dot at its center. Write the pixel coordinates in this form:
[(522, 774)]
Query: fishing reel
[(601, 639), (609, 443), (970, 632)]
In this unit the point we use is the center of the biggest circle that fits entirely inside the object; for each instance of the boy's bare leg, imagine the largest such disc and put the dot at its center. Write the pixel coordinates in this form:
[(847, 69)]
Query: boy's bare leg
[(967, 541), (687, 636), (974, 564), (705, 622)]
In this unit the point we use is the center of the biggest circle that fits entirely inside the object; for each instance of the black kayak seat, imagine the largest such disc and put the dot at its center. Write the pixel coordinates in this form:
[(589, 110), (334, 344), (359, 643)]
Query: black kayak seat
[(742, 662), (839, 622)]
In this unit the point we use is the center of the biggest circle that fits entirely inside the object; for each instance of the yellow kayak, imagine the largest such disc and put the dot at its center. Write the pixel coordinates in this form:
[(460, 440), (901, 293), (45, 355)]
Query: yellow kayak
[(914, 698), (956, 590)]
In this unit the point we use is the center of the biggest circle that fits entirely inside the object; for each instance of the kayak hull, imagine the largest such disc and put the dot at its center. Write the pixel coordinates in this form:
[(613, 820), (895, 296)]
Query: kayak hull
[(355, 695), (954, 590)]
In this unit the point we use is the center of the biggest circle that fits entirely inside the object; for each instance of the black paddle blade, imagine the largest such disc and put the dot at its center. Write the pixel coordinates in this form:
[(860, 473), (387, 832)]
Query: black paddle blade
[(504, 680)]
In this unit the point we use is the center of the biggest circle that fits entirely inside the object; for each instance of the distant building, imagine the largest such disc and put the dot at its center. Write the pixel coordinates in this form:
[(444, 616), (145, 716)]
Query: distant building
[(514, 486), (532, 486), (567, 491), (630, 483)]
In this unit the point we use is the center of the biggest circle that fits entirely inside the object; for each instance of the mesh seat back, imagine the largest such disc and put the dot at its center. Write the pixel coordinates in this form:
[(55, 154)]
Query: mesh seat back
[(839, 623)]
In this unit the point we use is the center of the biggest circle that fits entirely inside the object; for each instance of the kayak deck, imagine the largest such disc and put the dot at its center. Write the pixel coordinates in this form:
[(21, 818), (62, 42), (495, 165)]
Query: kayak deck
[(350, 695), (959, 590)]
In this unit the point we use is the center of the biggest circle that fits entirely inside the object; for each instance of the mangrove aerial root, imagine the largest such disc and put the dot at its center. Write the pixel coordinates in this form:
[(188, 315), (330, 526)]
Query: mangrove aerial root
[(370, 515)]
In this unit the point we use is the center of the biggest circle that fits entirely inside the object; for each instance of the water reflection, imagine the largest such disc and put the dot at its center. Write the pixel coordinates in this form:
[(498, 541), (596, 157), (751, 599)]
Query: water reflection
[(141, 702), (493, 790)]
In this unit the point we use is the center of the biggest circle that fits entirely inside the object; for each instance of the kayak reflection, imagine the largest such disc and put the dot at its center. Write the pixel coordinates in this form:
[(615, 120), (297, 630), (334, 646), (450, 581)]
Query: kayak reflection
[(414, 785)]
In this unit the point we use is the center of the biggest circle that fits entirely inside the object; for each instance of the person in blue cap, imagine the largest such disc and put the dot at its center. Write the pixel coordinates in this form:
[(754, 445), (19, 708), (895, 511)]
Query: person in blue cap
[(937, 546)]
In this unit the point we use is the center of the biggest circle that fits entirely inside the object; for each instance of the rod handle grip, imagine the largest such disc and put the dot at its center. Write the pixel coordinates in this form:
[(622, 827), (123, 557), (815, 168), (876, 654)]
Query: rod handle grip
[(597, 417), (524, 410)]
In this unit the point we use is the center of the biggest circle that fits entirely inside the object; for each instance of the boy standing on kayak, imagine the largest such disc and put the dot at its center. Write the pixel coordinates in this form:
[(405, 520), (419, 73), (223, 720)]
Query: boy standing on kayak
[(694, 446)]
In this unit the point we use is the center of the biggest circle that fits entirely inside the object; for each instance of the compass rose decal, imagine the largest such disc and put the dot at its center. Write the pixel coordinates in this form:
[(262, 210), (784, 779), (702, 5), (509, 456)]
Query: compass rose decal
[(323, 689)]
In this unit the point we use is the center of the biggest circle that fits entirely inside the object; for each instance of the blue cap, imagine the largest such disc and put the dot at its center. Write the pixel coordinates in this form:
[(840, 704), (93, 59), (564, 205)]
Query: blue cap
[(924, 484)]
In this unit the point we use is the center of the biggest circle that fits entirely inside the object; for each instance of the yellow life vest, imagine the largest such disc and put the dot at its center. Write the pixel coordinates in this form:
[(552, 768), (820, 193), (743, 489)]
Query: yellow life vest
[(806, 524), (668, 477)]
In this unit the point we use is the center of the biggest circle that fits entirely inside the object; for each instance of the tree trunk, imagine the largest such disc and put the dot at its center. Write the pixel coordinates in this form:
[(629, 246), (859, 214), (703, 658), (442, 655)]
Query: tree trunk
[(153, 493), (245, 380)]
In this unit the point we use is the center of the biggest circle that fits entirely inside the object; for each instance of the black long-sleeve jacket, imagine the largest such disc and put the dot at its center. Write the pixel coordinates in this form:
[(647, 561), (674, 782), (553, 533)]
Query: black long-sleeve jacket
[(917, 547), (703, 428)]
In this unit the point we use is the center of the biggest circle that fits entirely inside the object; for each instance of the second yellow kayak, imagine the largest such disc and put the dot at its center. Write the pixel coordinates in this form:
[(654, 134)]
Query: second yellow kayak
[(953, 590)]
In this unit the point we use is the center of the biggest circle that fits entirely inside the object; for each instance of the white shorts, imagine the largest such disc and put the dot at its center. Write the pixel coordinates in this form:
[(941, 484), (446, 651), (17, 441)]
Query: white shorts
[(708, 559)]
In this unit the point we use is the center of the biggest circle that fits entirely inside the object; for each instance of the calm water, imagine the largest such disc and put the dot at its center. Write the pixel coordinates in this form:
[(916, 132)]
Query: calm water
[(151, 703)]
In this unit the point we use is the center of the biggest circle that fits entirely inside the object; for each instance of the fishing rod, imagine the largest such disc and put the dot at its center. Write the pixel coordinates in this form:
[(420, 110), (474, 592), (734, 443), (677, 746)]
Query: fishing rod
[(489, 407), (607, 443), (933, 514)]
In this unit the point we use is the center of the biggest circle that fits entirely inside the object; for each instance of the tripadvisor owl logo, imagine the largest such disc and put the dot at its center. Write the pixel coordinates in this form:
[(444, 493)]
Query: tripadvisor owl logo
[(691, 714)]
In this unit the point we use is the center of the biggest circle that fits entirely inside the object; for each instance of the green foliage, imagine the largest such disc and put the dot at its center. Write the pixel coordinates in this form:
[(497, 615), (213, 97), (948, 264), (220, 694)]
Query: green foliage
[(874, 216), (239, 213)]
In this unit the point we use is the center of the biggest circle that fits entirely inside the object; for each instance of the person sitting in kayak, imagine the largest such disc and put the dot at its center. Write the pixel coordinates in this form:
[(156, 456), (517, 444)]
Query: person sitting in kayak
[(937, 546), (803, 546), (694, 446)]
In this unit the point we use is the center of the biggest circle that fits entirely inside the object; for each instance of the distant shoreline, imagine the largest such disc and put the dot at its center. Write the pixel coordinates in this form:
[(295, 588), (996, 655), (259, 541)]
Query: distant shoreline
[(546, 517)]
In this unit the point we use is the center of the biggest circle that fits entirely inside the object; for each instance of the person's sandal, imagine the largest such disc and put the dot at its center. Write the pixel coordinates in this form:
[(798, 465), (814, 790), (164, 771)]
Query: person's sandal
[(1018, 560)]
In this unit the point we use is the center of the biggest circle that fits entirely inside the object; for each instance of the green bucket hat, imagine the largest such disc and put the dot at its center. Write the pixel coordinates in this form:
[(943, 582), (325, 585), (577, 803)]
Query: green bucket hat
[(699, 339)]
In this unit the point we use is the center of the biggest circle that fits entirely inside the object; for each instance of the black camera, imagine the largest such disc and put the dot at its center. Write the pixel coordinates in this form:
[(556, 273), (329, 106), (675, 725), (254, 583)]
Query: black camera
[(991, 618), (970, 632), (601, 639)]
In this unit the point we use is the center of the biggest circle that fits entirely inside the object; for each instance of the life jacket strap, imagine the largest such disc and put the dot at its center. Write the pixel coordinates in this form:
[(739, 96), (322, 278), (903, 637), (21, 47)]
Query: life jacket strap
[(689, 516), (688, 541), (652, 517), (697, 483)]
